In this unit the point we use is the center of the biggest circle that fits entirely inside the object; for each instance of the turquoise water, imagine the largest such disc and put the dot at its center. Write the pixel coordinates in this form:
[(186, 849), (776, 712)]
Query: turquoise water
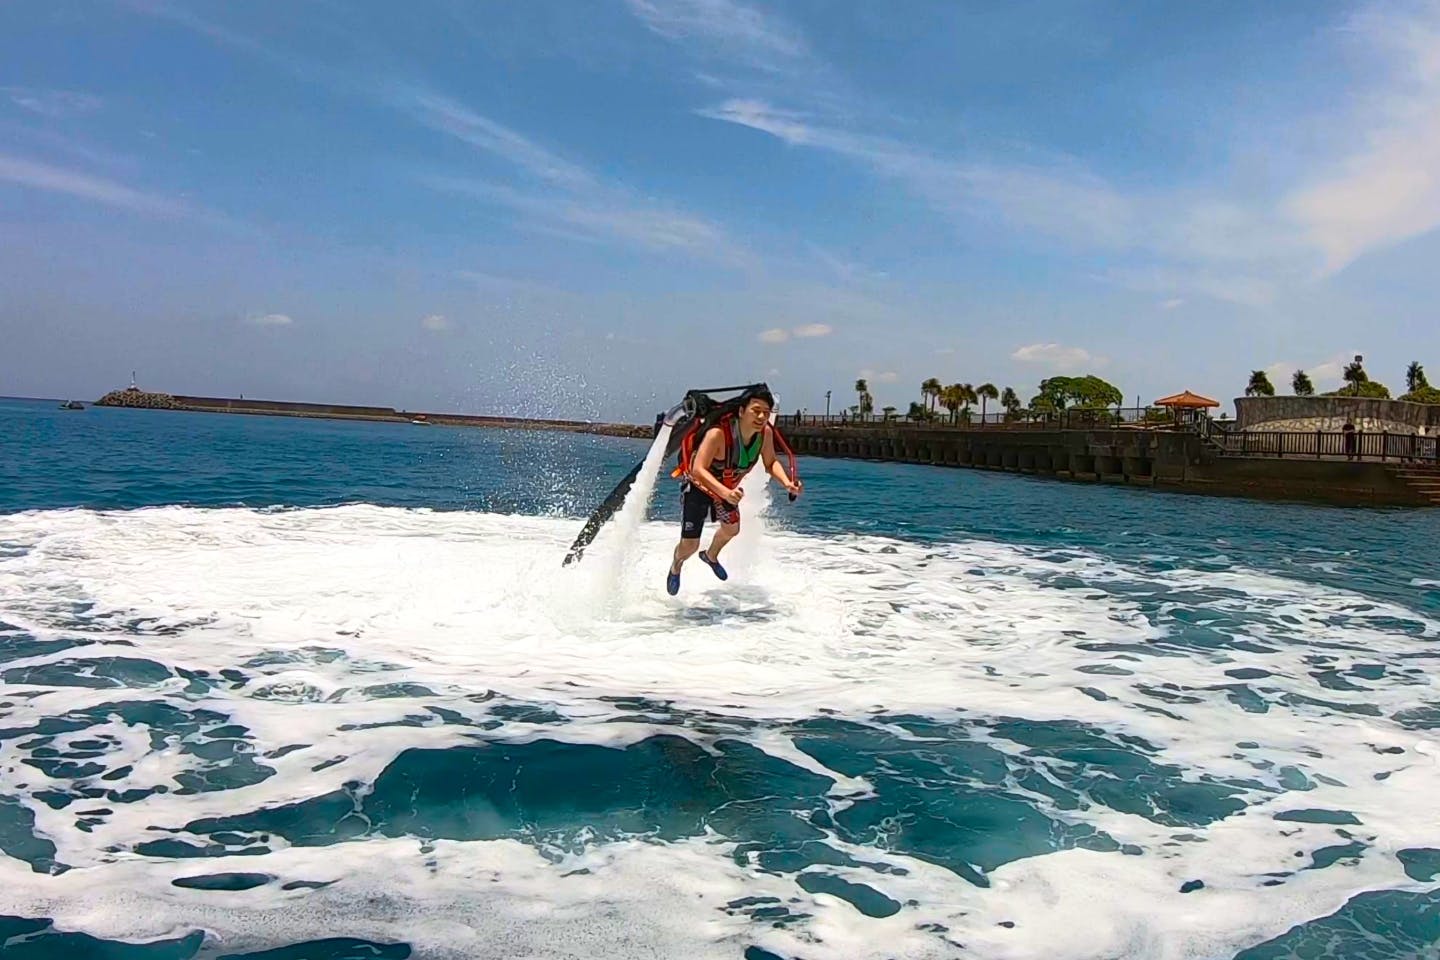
[(294, 688)]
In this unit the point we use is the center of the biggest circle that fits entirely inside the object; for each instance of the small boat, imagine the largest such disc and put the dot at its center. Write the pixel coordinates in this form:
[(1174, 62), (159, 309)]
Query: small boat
[(72, 405)]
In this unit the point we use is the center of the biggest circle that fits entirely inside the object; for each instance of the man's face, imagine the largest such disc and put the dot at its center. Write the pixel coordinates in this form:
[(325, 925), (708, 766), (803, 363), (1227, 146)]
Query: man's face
[(757, 413)]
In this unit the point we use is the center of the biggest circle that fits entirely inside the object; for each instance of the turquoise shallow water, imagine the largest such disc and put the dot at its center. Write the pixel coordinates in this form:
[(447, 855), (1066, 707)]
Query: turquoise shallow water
[(295, 688)]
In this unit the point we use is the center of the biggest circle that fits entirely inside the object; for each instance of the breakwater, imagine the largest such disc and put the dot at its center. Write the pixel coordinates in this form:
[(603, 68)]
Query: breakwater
[(145, 399), (1157, 459), (1176, 460)]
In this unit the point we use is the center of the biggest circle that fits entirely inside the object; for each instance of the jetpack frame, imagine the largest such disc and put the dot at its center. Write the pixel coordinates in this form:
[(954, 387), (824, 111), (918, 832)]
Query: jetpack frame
[(693, 415)]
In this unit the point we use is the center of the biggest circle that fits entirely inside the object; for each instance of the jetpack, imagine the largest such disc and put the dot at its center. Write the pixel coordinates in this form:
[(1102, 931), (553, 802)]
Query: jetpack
[(688, 420)]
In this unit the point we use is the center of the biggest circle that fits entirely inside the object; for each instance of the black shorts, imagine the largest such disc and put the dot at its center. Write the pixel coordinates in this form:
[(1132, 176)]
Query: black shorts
[(696, 505)]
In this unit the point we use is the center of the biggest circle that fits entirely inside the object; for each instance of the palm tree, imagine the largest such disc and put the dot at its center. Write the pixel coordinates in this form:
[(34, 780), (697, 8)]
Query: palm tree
[(930, 392), (1415, 377), (1355, 374), (950, 398), (1301, 384), (986, 391), (917, 412), (1259, 385), (1010, 400), (861, 388), (867, 404), (967, 397)]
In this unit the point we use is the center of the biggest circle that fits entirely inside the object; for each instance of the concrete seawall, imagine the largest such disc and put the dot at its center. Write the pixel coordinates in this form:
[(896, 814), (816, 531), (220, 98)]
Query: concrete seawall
[(1168, 460), (1308, 414), (332, 411)]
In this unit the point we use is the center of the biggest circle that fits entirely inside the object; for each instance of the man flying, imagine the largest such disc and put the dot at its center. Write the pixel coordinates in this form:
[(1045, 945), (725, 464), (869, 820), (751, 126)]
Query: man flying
[(725, 454)]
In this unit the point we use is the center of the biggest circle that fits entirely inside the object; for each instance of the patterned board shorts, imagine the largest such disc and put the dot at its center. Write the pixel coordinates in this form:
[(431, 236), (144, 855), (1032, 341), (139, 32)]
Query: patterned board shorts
[(696, 505)]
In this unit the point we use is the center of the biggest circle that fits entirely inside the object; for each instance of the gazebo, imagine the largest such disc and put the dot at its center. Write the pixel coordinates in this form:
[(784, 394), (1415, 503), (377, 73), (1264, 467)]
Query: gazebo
[(1184, 406)]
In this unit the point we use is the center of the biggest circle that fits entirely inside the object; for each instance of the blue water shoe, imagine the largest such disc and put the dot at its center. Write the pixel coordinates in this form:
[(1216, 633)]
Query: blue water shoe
[(714, 565)]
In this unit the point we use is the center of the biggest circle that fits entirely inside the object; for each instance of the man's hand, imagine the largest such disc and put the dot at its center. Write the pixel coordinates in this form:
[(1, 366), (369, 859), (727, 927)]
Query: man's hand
[(732, 496), (793, 488)]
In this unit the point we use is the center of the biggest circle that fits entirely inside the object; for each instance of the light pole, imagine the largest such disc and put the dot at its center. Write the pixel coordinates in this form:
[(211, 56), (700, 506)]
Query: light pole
[(827, 404)]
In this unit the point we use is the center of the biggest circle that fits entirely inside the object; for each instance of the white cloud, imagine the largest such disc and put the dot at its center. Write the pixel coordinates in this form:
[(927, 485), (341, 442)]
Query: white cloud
[(1324, 374), (574, 203), (734, 29), (602, 215), (1058, 357), (813, 330), (1375, 189), (886, 376), (809, 330), (1172, 303), (270, 320), (1386, 190), (1227, 286), (1060, 201), (435, 322), (52, 103), (447, 116), (51, 179)]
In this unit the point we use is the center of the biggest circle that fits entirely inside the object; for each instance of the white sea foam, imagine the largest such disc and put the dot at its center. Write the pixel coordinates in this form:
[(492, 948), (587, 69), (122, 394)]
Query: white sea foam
[(463, 604)]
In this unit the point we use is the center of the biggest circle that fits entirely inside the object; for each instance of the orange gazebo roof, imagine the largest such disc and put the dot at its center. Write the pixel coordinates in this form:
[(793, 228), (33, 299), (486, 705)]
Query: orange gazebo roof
[(1188, 400)]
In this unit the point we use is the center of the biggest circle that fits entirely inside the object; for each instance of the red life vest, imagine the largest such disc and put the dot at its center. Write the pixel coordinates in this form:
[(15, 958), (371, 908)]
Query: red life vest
[(727, 468)]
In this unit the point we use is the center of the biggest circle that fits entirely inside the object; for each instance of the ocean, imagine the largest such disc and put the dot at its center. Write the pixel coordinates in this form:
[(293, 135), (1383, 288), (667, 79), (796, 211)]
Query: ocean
[(308, 689)]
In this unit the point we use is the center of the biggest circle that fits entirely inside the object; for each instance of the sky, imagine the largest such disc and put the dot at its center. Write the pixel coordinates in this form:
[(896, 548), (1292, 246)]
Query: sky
[(585, 207)]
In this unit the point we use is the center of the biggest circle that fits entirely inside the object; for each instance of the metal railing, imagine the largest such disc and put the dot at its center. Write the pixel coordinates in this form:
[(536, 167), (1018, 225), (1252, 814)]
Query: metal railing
[(1076, 418), (1221, 435), (1320, 445)]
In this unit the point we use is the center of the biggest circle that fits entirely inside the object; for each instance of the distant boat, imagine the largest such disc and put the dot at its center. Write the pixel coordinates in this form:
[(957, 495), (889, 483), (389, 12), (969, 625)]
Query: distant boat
[(72, 405)]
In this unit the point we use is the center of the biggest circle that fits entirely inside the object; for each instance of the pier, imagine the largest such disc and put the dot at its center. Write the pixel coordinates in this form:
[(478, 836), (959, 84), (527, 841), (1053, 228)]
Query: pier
[(1176, 458)]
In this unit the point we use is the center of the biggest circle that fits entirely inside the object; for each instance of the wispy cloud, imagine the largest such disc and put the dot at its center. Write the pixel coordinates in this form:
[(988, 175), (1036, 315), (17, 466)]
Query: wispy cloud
[(884, 376), (1172, 303), (559, 197), (1387, 190), (814, 330), (1209, 241), (269, 320), (1230, 286), (730, 28), (435, 323), (802, 332), (1325, 374), (52, 103), (1057, 357), (1060, 202), (600, 215), (448, 116), (51, 179)]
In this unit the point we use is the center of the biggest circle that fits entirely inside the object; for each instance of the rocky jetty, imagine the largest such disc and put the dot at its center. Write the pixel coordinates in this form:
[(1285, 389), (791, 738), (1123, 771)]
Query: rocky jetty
[(135, 397)]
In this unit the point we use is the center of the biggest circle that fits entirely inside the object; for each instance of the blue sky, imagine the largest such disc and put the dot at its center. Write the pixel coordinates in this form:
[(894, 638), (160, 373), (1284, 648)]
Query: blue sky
[(582, 208)]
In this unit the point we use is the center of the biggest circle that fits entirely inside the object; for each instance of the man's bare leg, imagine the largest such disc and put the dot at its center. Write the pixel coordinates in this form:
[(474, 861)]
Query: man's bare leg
[(684, 550), (723, 535)]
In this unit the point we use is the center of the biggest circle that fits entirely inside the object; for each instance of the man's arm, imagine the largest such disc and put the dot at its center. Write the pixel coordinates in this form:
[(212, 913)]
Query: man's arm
[(773, 466), (707, 453)]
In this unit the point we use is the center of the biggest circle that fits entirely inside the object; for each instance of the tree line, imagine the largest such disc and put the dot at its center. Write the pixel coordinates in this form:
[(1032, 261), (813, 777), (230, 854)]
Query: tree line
[(1357, 384), (1054, 395)]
